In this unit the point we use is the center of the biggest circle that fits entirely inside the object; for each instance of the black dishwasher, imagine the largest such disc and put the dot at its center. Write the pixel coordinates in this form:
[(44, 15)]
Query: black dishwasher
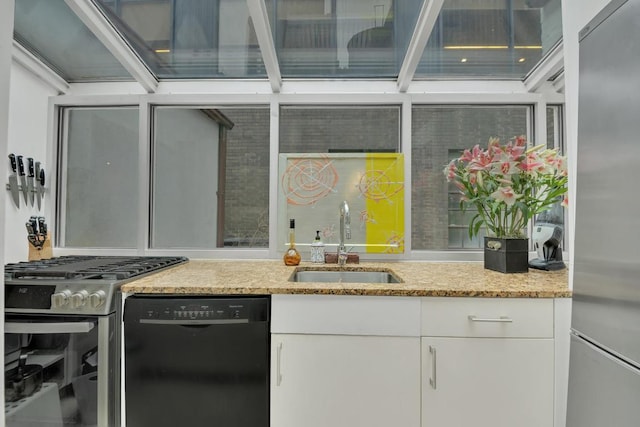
[(196, 361)]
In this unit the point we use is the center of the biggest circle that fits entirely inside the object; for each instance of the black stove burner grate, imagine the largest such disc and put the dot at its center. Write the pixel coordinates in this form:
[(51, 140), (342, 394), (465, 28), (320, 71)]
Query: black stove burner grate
[(89, 267)]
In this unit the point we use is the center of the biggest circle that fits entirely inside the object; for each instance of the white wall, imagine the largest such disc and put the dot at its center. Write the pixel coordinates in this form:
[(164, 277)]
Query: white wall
[(575, 15), (6, 40), (28, 115)]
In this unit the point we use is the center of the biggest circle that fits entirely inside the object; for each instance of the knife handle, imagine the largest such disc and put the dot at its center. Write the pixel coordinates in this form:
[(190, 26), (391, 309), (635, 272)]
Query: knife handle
[(34, 224), (20, 166), (30, 167), (42, 177), (42, 226), (12, 159), (37, 171)]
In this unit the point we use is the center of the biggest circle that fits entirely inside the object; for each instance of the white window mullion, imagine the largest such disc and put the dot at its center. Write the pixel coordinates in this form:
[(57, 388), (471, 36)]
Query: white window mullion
[(274, 148), (144, 177), (405, 148)]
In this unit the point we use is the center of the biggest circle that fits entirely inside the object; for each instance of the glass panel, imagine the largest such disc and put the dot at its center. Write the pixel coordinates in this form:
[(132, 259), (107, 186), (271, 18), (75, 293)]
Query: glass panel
[(53, 33), (101, 206), (438, 134), (190, 38), (211, 178), (306, 129), (314, 185), (492, 38), (342, 38)]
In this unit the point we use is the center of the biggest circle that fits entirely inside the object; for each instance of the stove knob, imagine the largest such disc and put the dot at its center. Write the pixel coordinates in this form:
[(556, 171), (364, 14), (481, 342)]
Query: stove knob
[(60, 299), (97, 299), (78, 299)]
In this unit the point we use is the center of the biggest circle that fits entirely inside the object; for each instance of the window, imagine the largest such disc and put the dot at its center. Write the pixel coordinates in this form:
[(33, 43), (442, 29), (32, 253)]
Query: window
[(99, 190), (343, 38), (209, 183), (314, 129), (180, 39), (496, 39), (210, 177), (440, 133), (352, 135)]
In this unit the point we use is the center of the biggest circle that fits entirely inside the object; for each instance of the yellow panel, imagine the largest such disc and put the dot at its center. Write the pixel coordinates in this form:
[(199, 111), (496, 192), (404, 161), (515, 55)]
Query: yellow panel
[(382, 185)]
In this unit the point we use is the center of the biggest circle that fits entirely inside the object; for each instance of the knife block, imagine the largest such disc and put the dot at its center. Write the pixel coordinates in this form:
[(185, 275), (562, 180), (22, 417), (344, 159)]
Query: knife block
[(42, 252)]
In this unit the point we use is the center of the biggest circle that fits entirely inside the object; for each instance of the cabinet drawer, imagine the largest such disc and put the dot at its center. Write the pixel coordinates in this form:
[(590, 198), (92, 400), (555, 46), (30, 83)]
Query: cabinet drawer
[(487, 317), (345, 315)]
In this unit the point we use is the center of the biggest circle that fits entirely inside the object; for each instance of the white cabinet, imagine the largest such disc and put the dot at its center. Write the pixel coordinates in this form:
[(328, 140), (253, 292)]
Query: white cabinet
[(374, 361), (345, 361), (487, 362), (345, 381)]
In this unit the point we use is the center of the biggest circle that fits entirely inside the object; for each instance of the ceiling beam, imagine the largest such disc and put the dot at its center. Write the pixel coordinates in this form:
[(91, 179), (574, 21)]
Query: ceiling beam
[(93, 18), (550, 66), (260, 18), (426, 21), (33, 64)]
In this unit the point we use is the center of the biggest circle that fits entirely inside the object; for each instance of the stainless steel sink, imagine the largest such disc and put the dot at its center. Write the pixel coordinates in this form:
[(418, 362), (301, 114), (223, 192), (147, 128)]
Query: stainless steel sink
[(344, 276)]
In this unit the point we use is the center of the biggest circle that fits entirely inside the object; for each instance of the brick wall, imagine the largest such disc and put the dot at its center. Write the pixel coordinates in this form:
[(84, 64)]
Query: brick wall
[(317, 130), (436, 131), (247, 178)]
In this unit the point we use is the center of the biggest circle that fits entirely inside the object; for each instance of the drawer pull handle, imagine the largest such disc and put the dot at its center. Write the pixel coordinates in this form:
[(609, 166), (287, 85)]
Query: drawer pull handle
[(501, 319), (432, 379), (278, 360)]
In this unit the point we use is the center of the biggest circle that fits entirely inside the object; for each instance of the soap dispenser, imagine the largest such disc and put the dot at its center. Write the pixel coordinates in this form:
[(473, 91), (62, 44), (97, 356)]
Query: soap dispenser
[(317, 249)]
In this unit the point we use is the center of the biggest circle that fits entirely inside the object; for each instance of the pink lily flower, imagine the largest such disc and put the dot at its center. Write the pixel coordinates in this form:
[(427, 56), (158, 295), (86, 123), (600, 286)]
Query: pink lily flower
[(506, 195)]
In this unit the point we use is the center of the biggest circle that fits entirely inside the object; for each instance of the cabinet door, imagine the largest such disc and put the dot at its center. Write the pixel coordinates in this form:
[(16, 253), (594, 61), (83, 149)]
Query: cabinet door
[(345, 381), (492, 382)]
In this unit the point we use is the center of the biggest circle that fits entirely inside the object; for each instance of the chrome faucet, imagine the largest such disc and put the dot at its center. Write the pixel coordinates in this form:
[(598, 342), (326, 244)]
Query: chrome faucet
[(345, 231)]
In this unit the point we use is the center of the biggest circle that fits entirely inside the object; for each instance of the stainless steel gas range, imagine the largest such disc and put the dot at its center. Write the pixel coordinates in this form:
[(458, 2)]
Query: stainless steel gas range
[(62, 338)]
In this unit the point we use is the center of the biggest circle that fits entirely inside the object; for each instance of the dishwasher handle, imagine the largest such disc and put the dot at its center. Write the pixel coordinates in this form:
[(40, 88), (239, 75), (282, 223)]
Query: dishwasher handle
[(193, 322)]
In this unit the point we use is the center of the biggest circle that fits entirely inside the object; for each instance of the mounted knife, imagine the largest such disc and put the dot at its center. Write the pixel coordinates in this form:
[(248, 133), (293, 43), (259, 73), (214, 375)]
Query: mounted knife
[(23, 179), (38, 186), (41, 180), (31, 180), (13, 181)]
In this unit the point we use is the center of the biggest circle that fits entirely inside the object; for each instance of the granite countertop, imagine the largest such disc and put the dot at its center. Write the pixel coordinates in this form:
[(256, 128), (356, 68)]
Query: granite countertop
[(443, 279)]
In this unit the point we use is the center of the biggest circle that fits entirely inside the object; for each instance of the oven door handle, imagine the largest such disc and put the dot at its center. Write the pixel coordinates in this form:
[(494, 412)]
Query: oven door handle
[(48, 328)]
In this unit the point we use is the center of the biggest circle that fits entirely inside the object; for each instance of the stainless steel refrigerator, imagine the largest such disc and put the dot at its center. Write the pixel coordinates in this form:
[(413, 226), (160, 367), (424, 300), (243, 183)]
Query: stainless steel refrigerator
[(604, 369)]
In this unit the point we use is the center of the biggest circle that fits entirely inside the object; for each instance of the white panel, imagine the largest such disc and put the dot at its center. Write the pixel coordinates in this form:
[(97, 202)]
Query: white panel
[(487, 382), (494, 317), (562, 325), (345, 315), (345, 381)]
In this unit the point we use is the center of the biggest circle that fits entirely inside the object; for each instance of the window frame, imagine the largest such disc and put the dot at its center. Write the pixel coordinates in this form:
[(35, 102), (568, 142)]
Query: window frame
[(234, 94)]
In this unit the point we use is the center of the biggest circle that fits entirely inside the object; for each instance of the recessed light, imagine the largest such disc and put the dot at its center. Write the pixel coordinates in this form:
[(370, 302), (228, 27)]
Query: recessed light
[(463, 60), (521, 60), (163, 50)]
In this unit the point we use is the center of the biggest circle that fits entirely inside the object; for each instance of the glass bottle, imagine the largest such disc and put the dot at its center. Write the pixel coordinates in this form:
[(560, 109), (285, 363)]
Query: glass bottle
[(317, 249), (292, 256)]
